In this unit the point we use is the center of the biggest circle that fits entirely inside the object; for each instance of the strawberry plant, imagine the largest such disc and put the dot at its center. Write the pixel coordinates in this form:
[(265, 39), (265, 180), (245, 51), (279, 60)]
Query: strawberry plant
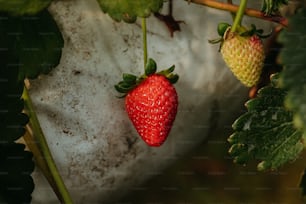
[(270, 132)]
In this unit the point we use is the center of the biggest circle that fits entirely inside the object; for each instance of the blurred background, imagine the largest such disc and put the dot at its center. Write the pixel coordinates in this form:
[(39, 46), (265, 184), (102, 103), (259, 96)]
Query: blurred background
[(208, 176)]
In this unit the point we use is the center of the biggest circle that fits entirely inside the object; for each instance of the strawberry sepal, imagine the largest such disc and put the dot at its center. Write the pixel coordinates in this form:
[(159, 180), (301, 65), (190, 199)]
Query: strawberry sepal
[(254, 31), (151, 67), (222, 27), (130, 81), (129, 78)]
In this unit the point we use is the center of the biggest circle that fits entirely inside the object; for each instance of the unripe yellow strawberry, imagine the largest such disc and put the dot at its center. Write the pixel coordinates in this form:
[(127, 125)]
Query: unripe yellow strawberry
[(244, 55)]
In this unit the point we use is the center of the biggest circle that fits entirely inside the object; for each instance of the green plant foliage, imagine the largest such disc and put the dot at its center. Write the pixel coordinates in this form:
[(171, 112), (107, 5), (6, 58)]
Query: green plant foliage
[(293, 58), (272, 6), (16, 165), (11, 105), (129, 10), (16, 183), (34, 40), (29, 46), (266, 131), (21, 7), (12, 120)]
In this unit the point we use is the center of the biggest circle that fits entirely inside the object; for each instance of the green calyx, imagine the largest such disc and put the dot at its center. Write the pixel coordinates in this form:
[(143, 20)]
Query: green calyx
[(254, 31), (151, 67), (130, 81), (224, 28)]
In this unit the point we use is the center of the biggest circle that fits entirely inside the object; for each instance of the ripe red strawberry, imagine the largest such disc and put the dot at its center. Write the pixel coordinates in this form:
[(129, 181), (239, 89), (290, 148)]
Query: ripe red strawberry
[(152, 108), (151, 103), (244, 55)]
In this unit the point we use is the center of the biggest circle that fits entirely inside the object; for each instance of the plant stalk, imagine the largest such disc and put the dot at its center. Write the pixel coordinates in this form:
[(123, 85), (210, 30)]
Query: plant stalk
[(144, 41), (64, 196), (39, 159), (239, 15)]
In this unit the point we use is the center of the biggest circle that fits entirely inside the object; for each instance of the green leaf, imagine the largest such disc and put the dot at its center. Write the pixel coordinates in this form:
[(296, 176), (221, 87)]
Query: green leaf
[(35, 41), (129, 10), (12, 120), (266, 132), (16, 183), (16, 165), (21, 7), (272, 6), (293, 76)]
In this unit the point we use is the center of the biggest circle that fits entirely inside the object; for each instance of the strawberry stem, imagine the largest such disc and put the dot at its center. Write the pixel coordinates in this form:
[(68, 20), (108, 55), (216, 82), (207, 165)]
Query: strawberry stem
[(56, 181), (144, 42), (239, 15)]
